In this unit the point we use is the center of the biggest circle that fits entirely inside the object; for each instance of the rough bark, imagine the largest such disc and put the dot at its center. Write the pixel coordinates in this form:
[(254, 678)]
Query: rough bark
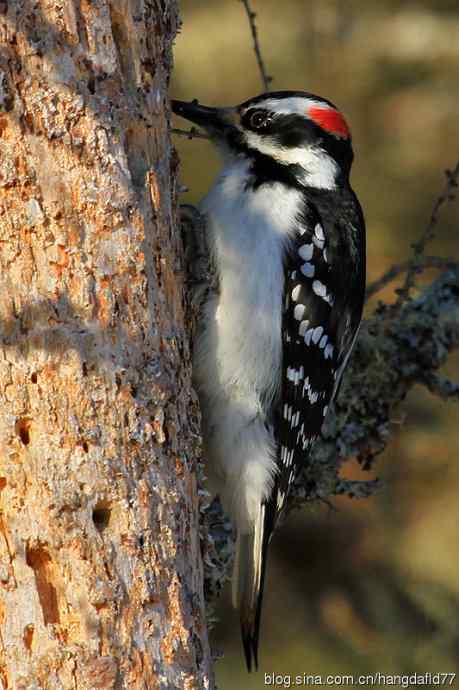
[(100, 571)]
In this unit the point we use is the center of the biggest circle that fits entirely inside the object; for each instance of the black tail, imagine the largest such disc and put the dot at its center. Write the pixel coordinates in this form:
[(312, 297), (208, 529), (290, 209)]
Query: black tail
[(248, 580)]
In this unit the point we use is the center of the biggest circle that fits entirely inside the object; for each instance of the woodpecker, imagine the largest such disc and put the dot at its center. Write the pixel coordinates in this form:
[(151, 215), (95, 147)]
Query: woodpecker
[(286, 235)]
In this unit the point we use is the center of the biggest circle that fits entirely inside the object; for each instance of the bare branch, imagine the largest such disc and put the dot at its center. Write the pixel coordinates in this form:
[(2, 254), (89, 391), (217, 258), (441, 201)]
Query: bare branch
[(442, 387), (397, 269), (447, 194), (191, 133), (357, 488), (251, 15)]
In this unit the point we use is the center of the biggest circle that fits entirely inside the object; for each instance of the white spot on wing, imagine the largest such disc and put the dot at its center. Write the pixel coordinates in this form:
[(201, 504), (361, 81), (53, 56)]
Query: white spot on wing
[(317, 334), (319, 288), (308, 336), (298, 312), (296, 292), (295, 420), (287, 412), (328, 352), (306, 251), (303, 327), (319, 243), (308, 270), (318, 232)]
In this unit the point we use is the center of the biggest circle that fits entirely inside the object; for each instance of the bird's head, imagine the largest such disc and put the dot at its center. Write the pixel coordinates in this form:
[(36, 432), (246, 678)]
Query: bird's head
[(293, 134)]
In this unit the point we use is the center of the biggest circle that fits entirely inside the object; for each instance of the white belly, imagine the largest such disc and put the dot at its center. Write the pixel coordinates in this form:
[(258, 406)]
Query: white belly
[(238, 355)]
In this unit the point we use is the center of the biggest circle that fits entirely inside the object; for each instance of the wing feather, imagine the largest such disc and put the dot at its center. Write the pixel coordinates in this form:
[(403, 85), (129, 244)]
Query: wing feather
[(323, 297), (324, 287)]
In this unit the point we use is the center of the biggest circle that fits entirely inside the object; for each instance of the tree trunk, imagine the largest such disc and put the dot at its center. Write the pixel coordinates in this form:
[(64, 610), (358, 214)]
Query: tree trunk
[(100, 572)]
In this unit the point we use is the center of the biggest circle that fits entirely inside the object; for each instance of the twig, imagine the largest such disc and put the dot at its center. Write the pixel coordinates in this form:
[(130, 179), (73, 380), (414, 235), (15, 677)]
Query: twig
[(442, 387), (447, 194), (191, 133), (251, 15), (357, 488), (397, 269)]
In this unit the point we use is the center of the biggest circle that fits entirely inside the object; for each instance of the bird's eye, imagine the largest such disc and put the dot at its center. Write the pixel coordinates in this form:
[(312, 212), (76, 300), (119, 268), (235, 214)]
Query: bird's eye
[(258, 119)]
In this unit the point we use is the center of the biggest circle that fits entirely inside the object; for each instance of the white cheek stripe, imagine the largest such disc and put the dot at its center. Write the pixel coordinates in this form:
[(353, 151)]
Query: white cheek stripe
[(319, 169)]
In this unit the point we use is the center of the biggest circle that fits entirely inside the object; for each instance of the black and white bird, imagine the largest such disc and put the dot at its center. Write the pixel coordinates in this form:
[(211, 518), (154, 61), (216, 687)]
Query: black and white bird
[(287, 238)]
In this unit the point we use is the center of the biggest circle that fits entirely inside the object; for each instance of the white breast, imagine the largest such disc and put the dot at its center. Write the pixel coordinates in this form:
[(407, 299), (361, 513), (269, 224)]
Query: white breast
[(248, 231)]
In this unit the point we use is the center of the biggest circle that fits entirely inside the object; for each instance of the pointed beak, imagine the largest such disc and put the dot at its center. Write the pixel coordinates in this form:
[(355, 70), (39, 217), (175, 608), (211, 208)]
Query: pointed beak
[(216, 121)]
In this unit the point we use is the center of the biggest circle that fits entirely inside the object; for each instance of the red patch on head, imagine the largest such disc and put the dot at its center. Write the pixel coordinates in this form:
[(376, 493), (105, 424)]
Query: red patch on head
[(329, 119)]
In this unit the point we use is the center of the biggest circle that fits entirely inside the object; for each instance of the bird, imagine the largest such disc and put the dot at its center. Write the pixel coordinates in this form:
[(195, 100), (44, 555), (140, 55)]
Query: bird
[(286, 237)]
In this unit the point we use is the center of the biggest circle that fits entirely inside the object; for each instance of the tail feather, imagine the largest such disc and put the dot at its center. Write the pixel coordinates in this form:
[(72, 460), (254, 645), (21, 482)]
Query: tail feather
[(248, 581)]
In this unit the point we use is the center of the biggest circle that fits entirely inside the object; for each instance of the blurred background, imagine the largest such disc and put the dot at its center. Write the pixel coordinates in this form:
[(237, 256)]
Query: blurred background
[(371, 585)]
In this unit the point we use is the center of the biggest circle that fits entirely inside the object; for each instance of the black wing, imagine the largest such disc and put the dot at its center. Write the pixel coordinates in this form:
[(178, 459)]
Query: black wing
[(323, 301)]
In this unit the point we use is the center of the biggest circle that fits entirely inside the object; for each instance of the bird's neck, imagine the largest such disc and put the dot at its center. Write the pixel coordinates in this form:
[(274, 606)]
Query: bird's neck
[(314, 169)]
